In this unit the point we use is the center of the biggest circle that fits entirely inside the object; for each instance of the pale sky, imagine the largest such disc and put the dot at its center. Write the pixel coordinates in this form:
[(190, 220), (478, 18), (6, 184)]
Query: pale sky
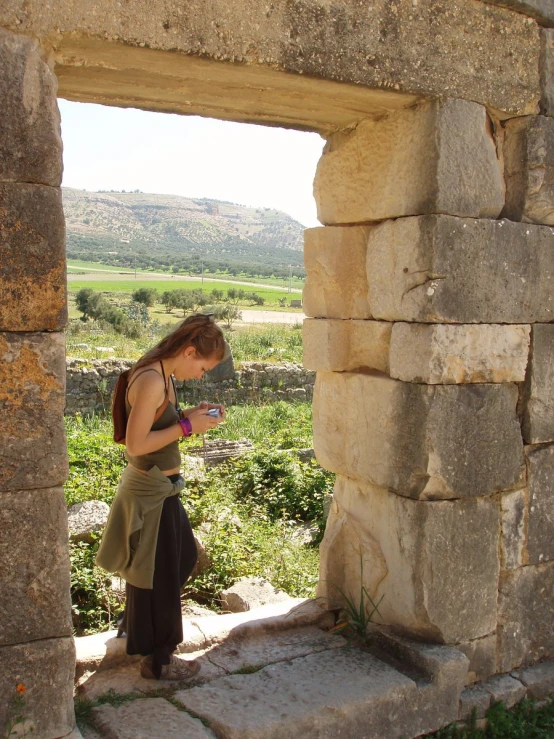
[(126, 149)]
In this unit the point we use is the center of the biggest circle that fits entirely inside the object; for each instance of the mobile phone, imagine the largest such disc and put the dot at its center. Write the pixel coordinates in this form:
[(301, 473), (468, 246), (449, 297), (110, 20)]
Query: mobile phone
[(214, 413)]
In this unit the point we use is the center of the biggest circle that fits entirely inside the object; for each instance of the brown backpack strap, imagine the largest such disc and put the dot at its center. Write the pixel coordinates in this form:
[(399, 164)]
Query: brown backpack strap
[(164, 405)]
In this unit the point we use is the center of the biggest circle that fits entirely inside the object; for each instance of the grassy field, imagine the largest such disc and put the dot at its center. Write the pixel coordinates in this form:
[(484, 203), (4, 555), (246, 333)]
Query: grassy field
[(76, 265)]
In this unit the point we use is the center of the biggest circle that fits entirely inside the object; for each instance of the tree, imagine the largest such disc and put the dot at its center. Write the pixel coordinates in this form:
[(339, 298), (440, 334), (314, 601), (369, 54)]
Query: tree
[(216, 295), (170, 300), (146, 295)]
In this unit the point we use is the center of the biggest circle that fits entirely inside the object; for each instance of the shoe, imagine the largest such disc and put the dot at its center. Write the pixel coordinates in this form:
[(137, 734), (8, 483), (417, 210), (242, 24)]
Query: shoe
[(177, 669)]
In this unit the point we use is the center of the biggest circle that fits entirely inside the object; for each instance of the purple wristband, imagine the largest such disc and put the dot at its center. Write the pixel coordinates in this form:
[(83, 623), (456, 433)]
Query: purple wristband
[(186, 425)]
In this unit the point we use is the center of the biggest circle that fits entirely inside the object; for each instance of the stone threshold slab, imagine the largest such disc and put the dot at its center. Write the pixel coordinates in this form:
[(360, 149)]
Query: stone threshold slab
[(104, 651), (249, 653)]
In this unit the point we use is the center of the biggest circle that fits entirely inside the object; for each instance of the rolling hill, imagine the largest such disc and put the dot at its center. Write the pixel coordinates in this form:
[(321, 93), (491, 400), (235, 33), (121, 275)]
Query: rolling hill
[(170, 232)]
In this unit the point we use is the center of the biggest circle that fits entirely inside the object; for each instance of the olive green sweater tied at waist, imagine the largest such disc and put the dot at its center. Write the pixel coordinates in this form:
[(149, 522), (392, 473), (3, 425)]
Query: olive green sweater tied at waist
[(128, 546)]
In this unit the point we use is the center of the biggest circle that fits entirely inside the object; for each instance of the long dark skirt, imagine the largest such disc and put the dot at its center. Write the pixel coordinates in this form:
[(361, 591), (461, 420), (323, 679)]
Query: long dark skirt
[(152, 618)]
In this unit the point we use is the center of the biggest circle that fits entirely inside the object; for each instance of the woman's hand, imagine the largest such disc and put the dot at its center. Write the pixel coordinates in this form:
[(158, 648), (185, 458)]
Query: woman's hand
[(201, 421), (204, 407)]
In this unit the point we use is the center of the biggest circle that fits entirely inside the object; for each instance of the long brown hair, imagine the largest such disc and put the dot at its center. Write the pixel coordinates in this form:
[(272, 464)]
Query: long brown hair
[(198, 331)]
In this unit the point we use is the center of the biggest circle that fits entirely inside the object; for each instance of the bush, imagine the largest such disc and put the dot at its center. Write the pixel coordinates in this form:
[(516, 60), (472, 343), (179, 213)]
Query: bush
[(146, 295)]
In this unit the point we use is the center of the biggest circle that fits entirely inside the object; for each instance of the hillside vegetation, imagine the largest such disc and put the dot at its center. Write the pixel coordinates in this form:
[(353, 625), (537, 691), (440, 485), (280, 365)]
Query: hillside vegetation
[(168, 232)]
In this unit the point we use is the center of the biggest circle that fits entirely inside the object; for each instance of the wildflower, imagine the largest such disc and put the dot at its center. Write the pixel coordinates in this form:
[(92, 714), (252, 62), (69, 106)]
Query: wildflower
[(21, 688)]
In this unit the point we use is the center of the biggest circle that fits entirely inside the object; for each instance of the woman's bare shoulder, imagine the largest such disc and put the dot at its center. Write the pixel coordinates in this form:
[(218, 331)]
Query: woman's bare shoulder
[(147, 378)]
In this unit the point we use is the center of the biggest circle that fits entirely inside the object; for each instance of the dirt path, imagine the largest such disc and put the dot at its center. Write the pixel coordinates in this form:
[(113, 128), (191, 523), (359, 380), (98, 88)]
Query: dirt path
[(271, 316)]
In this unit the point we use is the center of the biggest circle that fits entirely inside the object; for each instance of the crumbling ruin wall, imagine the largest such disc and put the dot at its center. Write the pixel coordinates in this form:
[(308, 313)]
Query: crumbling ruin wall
[(432, 315)]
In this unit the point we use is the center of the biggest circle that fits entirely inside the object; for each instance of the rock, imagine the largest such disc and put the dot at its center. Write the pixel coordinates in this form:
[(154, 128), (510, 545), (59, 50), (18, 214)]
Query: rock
[(440, 269), (248, 593), (46, 668), (344, 346), (541, 10), (34, 560), (506, 689), (537, 396), (437, 157), (482, 657), (225, 370), (525, 616), (148, 717), (475, 698), (30, 136), (540, 525), (529, 168), (302, 532), (360, 696), (87, 518), (305, 455), (32, 268), (514, 522), (445, 353), (539, 680), (419, 556), (421, 441), (547, 71), (336, 282), (204, 561), (33, 452)]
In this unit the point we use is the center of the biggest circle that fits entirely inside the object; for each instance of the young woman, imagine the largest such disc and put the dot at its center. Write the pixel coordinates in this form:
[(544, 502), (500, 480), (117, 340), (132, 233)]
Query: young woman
[(148, 539)]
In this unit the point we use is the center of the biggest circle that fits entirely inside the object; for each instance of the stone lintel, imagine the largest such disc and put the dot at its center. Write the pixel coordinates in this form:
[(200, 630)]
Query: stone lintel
[(33, 453), (112, 56), (437, 157), (441, 269), (419, 556), (422, 441)]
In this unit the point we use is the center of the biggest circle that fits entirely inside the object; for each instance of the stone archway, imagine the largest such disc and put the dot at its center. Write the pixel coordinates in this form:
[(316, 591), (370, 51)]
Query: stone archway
[(432, 318)]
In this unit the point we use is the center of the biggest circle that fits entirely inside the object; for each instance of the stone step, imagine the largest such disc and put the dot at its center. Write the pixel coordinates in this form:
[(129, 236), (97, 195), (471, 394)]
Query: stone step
[(260, 683), (104, 651)]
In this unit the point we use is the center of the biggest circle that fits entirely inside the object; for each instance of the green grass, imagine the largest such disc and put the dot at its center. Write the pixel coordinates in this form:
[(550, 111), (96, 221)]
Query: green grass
[(524, 721), (126, 284), (272, 343)]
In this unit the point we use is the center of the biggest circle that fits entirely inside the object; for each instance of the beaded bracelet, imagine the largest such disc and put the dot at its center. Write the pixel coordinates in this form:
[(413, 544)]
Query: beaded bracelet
[(186, 425)]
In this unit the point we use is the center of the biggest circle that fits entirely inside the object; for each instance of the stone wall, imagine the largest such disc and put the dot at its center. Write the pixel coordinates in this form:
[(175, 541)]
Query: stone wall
[(90, 385), (431, 319)]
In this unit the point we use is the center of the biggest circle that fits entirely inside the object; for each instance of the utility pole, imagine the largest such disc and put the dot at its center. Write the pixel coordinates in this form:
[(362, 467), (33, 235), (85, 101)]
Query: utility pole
[(290, 278), (202, 270), (135, 256)]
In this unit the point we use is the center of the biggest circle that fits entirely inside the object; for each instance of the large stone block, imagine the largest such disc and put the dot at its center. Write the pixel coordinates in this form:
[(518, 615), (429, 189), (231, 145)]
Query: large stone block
[(338, 346), (525, 616), (541, 10), (529, 168), (482, 657), (32, 397), (46, 669), (30, 137), (431, 562), (440, 269), (438, 157), (34, 560), (421, 441), (32, 258), (336, 281), (514, 518), (540, 528), (537, 395), (446, 354), (547, 71)]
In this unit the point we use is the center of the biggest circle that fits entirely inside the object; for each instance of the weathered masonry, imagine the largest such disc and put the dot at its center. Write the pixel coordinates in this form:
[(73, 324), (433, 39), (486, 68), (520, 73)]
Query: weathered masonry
[(430, 290)]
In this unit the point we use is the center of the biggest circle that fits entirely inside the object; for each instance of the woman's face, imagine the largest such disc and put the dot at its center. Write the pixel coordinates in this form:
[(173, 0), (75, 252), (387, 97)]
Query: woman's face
[(191, 366)]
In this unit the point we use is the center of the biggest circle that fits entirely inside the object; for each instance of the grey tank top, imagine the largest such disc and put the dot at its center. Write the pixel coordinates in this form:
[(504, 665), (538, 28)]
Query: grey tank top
[(166, 458)]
